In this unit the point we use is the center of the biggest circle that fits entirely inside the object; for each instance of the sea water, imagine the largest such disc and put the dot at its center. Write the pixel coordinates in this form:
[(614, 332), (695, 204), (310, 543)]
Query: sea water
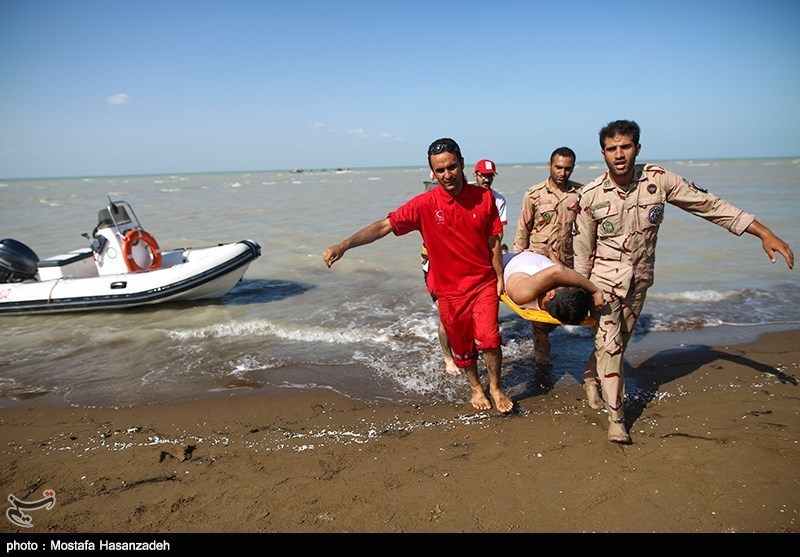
[(365, 328)]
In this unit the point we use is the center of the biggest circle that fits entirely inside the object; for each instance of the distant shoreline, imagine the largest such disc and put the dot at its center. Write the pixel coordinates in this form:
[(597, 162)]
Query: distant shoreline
[(365, 168)]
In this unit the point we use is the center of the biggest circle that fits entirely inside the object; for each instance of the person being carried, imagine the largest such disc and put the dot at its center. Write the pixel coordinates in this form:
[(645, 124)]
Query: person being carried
[(537, 282), (460, 227), (616, 231), (545, 226)]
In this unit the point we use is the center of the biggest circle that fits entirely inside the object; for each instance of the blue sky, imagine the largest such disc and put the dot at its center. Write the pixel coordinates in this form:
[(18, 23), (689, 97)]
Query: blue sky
[(116, 87)]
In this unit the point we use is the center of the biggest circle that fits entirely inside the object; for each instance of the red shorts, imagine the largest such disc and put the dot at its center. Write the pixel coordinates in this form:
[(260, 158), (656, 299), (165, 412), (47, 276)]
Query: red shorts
[(471, 322)]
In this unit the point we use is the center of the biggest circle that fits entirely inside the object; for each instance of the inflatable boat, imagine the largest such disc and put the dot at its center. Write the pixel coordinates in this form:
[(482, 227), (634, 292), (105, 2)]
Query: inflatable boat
[(122, 267)]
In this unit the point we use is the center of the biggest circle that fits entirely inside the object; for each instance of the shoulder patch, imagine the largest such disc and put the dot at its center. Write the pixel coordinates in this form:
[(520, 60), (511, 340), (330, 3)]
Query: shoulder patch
[(694, 186)]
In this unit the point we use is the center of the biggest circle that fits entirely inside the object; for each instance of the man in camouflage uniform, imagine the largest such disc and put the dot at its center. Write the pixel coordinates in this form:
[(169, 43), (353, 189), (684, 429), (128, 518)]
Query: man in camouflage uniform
[(545, 226), (615, 240)]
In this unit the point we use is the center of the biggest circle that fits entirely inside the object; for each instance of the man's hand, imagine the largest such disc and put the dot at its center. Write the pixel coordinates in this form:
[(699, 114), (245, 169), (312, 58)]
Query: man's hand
[(597, 300), (772, 243), (332, 254)]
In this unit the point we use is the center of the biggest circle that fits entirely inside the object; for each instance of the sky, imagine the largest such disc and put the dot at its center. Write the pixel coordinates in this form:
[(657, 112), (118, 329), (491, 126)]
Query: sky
[(129, 87)]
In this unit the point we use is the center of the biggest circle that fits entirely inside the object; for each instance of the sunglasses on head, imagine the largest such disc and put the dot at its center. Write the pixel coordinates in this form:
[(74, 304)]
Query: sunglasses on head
[(441, 145)]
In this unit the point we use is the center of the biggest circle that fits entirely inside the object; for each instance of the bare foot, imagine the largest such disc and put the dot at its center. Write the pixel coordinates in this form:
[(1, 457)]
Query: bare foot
[(593, 394), (501, 401), (479, 400), (451, 368), (618, 434)]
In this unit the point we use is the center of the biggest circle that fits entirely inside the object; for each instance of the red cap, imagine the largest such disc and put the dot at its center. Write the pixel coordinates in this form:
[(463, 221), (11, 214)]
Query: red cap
[(486, 166)]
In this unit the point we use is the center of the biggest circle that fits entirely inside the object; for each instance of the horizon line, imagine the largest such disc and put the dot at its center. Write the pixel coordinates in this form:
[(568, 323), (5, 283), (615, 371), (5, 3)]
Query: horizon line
[(340, 168)]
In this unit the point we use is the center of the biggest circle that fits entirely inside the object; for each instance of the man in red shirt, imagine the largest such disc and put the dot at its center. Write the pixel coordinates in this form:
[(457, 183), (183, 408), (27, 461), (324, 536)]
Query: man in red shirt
[(461, 229)]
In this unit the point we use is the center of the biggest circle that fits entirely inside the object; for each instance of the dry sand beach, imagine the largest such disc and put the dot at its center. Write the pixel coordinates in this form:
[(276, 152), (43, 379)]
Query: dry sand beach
[(716, 450)]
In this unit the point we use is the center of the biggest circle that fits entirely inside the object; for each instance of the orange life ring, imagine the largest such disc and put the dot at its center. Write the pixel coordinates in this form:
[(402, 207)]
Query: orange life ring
[(132, 237)]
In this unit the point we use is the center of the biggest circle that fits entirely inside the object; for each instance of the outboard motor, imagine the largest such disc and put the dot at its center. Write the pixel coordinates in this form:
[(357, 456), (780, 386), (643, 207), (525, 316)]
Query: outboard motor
[(18, 262)]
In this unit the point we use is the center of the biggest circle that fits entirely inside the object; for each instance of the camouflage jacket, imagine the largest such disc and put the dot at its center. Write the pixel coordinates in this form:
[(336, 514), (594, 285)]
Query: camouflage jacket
[(616, 231), (546, 220)]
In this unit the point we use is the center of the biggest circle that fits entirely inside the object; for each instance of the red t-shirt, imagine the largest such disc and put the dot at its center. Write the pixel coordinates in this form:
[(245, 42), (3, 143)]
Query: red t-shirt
[(456, 233)]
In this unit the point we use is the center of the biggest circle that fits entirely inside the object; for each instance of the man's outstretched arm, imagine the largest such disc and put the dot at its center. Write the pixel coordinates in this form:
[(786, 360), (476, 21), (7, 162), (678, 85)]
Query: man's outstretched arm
[(366, 235)]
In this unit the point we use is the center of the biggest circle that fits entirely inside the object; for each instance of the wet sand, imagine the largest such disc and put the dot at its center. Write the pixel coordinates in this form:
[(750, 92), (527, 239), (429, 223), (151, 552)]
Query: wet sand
[(716, 449)]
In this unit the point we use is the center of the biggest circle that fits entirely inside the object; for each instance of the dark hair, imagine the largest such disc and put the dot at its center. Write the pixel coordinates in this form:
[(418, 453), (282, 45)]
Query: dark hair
[(570, 305), (619, 127), (444, 144), (563, 152)]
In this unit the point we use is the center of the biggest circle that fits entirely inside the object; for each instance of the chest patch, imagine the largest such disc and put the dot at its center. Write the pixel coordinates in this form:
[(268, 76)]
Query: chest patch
[(651, 188), (655, 215), (608, 227)]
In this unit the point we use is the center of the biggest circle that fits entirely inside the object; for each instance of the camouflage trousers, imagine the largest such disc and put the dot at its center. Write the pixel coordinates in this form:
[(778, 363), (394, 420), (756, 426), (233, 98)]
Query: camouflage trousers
[(612, 332)]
